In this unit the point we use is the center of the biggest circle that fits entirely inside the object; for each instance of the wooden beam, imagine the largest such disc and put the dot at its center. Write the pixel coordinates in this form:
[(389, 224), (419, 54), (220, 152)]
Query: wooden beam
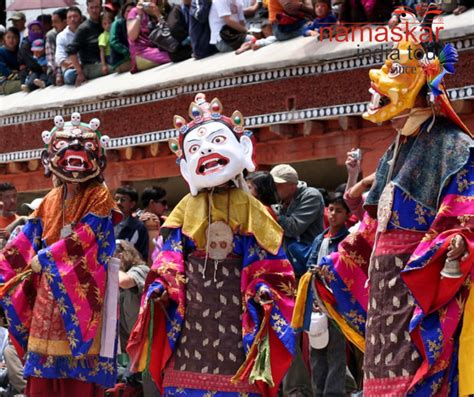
[(138, 153), (373, 143), (29, 182), (15, 167), (139, 170), (284, 130), (463, 106), (348, 122), (33, 165), (265, 134), (112, 155), (152, 149), (131, 153), (312, 127)]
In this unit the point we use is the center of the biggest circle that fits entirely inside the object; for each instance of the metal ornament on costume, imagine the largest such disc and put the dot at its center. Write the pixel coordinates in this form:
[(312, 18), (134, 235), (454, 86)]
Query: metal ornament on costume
[(212, 149), (75, 151), (220, 239)]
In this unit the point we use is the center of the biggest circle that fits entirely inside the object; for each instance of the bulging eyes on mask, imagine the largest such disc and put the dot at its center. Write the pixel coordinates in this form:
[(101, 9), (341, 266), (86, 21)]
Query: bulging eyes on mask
[(395, 86), (74, 154), (213, 155)]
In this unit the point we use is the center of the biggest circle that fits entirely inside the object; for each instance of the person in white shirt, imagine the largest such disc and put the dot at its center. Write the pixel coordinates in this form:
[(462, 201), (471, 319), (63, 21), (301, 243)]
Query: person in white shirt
[(230, 13), (64, 38)]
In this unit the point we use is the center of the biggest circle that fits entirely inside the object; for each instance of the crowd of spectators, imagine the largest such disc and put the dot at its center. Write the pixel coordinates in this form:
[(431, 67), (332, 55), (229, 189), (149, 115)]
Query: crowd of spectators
[(70, 48)]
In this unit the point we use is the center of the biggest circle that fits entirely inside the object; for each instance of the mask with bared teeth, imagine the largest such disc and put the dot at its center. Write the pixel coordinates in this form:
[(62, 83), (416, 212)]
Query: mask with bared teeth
[(412, 65), (75, 151), (212, 149)]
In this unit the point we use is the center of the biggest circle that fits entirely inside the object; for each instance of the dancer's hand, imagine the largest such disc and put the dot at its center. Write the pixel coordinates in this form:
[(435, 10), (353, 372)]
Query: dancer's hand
[(160, 296), (35, 264), (457, 248), (263, 296)]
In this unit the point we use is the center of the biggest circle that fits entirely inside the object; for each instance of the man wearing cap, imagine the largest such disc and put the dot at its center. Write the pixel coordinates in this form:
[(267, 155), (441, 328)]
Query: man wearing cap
[(19, 22), (300, 214), (301, 217)]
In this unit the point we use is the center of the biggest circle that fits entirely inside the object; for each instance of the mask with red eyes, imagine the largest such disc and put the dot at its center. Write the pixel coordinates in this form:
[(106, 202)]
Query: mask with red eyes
[(75, 151)]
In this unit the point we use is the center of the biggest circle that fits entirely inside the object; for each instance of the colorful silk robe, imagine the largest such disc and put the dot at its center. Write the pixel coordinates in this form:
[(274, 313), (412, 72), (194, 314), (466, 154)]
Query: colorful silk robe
[(339, 281), (257, 242), (55, 316), (432, 202)]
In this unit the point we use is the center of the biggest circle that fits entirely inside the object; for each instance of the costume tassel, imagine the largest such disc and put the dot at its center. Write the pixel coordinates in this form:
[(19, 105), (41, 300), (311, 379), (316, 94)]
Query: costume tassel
[(262, 370), (246, 368)]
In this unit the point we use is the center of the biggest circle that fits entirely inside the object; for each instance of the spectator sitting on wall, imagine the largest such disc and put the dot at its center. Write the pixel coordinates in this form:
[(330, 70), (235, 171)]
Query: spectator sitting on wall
[(34, 79), (171, 33), (113, 7), (324, 17), (463, 6), (228, 28), (143, 53), (359, 11), (47, 22), (456, 7), (262, 36), (59, 21), (119, 52), (65, 38), (199, 29), (85, 47), (289, 17), (250, 8), (131, 228), (9, 66), (104, 42), (18, 20), (418, 6), (28, 63)]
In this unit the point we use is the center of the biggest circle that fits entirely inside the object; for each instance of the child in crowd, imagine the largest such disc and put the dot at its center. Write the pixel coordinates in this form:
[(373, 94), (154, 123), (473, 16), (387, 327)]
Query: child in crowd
[(132, 275), (262, 36), (262, 186), (324, 17), (36, 80), (104, 41), (328, 346)]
